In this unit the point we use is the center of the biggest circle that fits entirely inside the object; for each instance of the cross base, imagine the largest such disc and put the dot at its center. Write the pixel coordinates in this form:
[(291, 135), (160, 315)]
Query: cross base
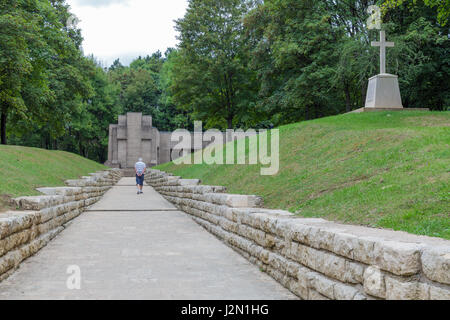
[(384, 92), (361, 110)]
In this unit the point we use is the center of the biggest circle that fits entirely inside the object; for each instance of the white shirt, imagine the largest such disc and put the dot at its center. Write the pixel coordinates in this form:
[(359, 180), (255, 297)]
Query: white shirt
[(140, 167)]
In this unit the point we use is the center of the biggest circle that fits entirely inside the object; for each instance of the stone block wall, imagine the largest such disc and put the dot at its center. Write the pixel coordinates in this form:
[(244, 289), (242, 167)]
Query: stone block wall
[(23, 233), (314, 258)]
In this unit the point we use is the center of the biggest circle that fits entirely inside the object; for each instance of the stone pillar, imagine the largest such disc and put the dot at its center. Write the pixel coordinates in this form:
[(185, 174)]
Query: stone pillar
[(154, 152), (122, 142), (112, 147), (110, 144), (147, 139), (115, 160), (134, 138)]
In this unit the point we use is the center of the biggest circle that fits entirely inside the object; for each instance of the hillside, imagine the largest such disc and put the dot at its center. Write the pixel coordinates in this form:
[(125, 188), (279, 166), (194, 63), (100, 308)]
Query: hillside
[(389, 170), (23, 169)]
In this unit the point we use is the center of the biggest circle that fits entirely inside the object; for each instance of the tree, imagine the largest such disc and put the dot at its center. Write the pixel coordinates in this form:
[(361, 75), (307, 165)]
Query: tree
[(138, 89), (357, 61), (36, 46), (421, 56), (169, 117), (313, 58), (240, 63), (294, 56), (18, 29), (116, 65), (442, 7), (89, 128), (211, 77)]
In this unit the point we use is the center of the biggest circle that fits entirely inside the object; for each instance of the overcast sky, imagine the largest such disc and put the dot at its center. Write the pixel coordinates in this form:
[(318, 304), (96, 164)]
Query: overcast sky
[(126, 29)]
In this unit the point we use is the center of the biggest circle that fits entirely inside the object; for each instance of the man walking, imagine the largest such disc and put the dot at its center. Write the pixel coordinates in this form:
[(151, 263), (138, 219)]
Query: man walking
[(140, 168)]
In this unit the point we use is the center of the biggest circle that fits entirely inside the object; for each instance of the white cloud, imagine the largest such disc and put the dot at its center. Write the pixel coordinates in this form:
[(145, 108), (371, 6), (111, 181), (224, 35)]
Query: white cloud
[(97, 3), (128, 28)]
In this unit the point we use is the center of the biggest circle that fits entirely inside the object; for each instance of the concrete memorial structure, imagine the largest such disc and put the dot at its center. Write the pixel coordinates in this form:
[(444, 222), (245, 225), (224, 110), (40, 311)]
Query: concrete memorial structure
[(129, 138), (135, 137)]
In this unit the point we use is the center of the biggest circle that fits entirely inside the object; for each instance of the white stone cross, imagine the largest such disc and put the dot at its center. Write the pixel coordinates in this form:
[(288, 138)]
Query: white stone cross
[(382, 44)]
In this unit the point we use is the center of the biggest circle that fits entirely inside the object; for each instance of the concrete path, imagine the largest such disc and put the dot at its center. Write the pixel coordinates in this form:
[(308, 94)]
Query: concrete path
[(131, 246)]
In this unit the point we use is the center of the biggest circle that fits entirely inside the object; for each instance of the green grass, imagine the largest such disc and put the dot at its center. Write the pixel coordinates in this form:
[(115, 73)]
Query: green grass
[(388, 170), (23, 169)]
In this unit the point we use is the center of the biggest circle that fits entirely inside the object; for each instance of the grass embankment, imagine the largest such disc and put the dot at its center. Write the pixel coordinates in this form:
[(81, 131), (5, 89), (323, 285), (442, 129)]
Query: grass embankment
[(389, 170), (23, 169)]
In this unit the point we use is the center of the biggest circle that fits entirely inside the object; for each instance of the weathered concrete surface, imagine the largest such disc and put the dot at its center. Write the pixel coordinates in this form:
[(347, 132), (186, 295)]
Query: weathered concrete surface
[(139, 255), (134, 136), (124, 197)]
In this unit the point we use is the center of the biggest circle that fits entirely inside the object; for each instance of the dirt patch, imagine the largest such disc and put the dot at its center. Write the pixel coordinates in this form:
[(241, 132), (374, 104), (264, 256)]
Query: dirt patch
[(5, 203), (346, 184), (352, 182), (429, 121)]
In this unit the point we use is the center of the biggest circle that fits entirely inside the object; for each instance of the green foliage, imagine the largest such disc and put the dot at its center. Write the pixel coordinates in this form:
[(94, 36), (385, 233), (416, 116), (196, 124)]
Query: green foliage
[(294, 54), (28, 34), (42, 67), (239, 64), (421, 57), (170, 117), (51, 95), (211, 79), (442, 7), (314, 58), (144, 87)]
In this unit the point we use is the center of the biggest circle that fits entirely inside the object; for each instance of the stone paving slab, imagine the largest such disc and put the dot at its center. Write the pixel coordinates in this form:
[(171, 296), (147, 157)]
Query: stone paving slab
[(139, 255), (124, 197), (128, 181)]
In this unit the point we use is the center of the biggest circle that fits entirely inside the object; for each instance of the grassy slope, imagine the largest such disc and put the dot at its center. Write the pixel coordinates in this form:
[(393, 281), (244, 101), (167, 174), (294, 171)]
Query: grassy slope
[(389, 170), (24, 169)]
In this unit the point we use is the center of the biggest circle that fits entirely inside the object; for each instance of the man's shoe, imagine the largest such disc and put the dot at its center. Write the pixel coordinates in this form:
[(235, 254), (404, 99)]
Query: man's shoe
[(138, 192)]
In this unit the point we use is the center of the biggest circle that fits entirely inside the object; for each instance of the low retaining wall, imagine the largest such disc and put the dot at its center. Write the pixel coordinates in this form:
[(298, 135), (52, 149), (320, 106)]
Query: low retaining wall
[(315, 258), (23, 233)]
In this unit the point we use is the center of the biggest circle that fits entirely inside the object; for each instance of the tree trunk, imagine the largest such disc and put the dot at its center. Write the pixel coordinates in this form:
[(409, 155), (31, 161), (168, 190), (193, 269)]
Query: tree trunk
[(80, 145), (3, 126), (230, 121), (348, 101), (363, 95), (308, 113)]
